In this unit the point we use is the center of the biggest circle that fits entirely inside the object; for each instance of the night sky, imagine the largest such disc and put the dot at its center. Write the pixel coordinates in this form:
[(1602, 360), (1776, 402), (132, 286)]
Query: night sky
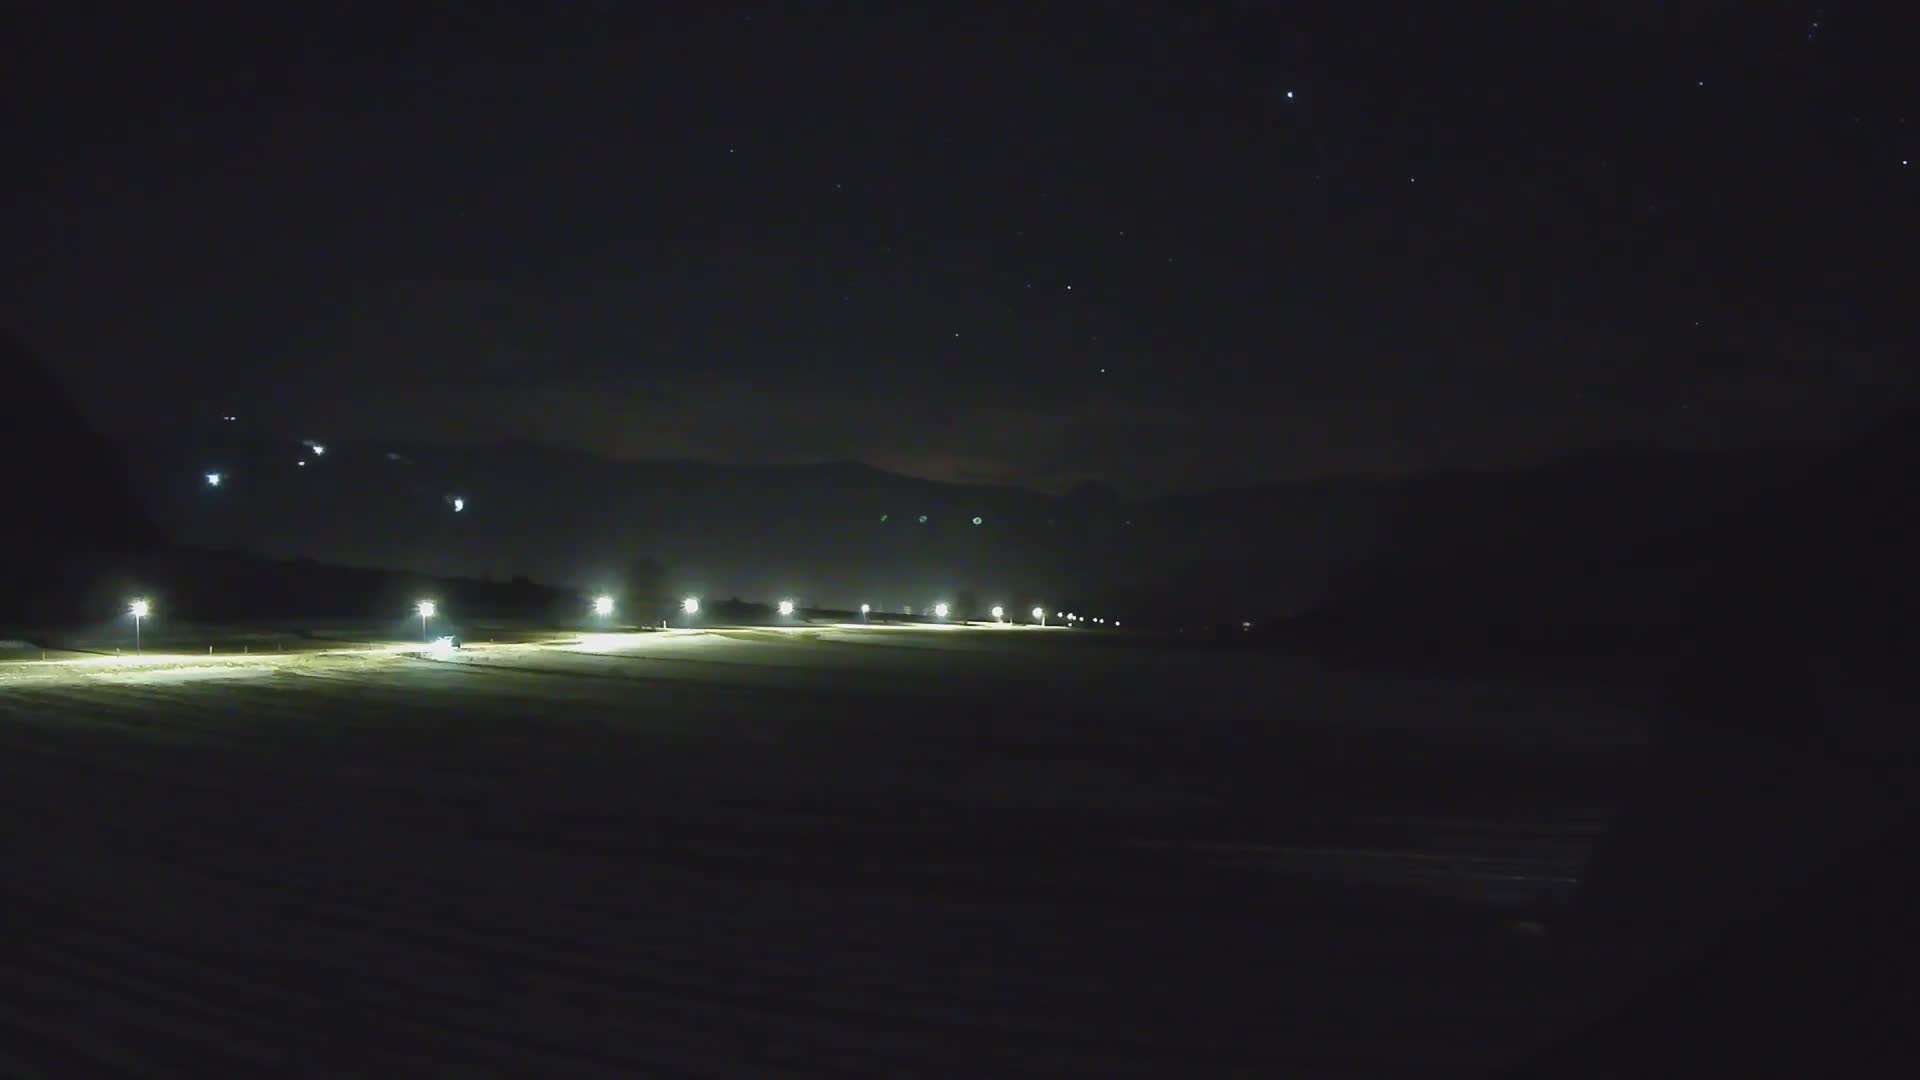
[(1165, 246)]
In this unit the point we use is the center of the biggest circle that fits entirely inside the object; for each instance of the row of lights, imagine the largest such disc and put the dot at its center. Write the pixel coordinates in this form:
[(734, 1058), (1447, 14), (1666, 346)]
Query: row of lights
[(603, 607)]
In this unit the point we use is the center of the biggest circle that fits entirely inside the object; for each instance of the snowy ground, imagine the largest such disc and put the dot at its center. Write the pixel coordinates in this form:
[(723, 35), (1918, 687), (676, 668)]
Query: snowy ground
[(842, 851)]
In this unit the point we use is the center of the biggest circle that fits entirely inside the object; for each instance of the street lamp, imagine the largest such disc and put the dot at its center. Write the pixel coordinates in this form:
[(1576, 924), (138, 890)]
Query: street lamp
[(1040, 616), (138, 609), (425, 608), (864, 608), (786, 607), (939, 611), (213, 479), (998, 612), (691, 605), (603, 605)]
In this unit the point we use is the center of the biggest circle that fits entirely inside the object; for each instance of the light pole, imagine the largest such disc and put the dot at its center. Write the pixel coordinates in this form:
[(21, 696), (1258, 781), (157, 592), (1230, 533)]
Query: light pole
[(786, 609), (864, 608), (998, 612), (691, 605), (603, 606), (1040, 616), (425, 608), (138, 609)]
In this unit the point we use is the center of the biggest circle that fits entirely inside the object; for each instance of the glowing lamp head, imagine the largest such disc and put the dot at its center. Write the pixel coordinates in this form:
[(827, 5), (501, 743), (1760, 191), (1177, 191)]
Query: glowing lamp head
[(459, 504), (691, 605), (319, 451), (603, 605), (939, 611), (425, 608), (999, 612), (1039, 613), (139, 609), (786, 607), (864, 608), (214, 478)]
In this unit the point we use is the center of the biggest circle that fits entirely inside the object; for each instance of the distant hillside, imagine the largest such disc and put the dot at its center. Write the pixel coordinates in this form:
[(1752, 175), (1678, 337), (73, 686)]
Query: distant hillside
[(69, 507), (845, 533), (1691, 563)]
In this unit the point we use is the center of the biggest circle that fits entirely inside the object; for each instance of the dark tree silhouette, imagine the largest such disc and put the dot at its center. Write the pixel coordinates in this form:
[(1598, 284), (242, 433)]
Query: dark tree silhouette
[(70, 512)]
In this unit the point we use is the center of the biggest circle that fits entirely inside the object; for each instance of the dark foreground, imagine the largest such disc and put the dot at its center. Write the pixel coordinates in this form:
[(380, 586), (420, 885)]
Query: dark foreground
[(822, 852)]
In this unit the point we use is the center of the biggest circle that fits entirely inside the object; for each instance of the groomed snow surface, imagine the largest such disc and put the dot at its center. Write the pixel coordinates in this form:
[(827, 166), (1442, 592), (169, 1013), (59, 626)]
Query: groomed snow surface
[(843, 851)]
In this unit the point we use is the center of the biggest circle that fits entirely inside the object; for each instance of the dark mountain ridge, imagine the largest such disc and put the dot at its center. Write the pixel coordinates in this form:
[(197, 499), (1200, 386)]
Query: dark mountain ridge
[(841, 533)]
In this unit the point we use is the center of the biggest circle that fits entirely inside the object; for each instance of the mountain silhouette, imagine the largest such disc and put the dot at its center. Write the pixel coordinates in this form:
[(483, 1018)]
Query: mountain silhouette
[(71, 515)]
